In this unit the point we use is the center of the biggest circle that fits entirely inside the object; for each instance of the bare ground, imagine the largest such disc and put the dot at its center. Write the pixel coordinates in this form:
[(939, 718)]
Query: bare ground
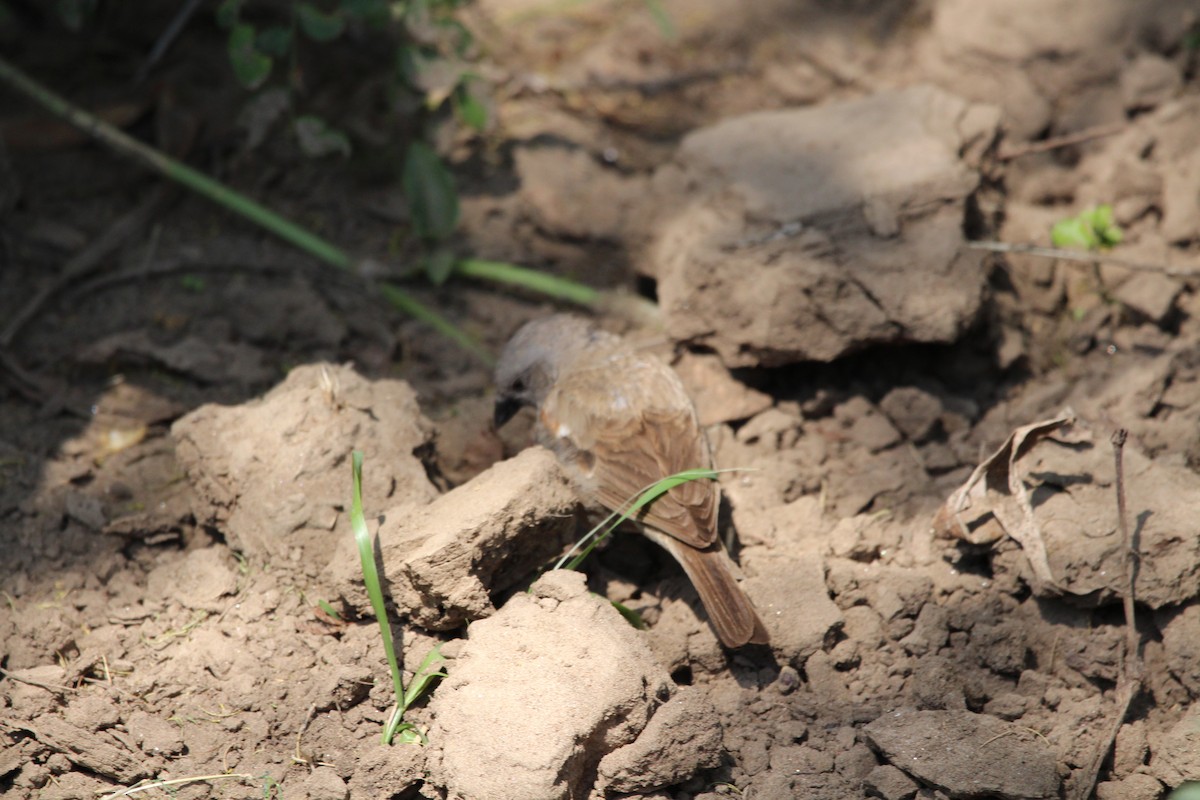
[(163, 559)]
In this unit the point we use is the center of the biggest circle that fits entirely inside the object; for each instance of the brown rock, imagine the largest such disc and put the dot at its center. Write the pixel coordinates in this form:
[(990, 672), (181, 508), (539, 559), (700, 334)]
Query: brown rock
[(968, 755), (565, 680), (890, 783), (1148, 81), (807, 234), (790, 593), (681, 738), (273, 474), (719, 397), (445, 560)]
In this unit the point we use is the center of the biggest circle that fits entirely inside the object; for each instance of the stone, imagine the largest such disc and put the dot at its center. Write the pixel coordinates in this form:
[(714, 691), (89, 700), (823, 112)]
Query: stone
[(444, 561), (541, 692), (966, 754), (808, 234), (273, 474)]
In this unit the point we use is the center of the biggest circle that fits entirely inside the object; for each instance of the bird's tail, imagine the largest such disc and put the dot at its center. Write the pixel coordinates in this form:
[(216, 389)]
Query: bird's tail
[(711, 571)]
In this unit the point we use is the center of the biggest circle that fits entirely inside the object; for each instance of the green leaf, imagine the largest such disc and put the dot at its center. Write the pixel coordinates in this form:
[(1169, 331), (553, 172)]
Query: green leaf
[(250, 67), (1073, 233), (438, 265), (429, 188), (317, 139), (424, 676), (192, 283), (317, 25), (469, 107), (609, 524), (1105, 227), (366, 555), (1091, 229), (274, 41), (408, 734), (328, 609), (631, 616), (228, 12)]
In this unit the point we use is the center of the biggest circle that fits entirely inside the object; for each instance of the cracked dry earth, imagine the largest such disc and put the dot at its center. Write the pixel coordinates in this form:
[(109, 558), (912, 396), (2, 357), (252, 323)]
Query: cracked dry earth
[(925, 499)]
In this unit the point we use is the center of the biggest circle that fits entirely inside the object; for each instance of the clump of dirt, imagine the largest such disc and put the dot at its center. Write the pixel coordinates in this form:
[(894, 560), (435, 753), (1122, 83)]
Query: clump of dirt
[(924, 504)]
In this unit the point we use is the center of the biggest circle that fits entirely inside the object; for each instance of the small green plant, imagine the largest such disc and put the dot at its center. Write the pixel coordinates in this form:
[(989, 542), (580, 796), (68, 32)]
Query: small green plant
[(433, 80), (328, 609), (1091, 229), (425, 674)]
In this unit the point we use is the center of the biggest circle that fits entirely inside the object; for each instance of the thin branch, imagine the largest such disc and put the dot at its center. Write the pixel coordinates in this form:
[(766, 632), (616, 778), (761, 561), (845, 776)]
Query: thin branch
[(1066, 140), (49, 687), (238, 203), (85, 261), (1133, 661), (1130, 682), (1084, 258)]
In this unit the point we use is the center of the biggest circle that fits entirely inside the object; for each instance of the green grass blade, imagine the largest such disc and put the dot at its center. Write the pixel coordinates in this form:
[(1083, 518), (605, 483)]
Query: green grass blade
[(641, 500), (631, 616), (406, 304), (366, 554), (424, 676), (328, 609), (513, 275), (222, 195)]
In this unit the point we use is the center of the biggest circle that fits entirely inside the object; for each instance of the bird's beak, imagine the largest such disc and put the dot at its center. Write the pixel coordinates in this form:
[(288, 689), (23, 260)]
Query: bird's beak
[(506, 409)]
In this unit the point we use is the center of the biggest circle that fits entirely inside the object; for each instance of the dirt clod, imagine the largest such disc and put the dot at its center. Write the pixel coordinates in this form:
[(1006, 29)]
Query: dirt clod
[(565, 680), (771, 254), (273, 472), (968, 755), (446, 560)]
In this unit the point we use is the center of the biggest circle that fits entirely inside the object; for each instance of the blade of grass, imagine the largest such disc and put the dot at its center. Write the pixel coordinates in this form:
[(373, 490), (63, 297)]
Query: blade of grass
[(366, 553), (406, 304), (232, 200), (513, 275), (646, 496), (424, 676)]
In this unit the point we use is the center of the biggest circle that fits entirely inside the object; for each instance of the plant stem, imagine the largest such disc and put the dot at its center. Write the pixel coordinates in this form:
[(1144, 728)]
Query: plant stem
[(232, 200), (366, 553), (1133, 661), (406, 304), (511, 274)]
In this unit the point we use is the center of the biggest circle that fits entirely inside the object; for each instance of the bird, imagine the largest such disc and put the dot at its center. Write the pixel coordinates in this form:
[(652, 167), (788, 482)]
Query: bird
[(618, 420)]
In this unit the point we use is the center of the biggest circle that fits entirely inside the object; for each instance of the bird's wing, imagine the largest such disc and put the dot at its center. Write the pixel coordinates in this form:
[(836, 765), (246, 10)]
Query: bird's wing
[(624, 424)]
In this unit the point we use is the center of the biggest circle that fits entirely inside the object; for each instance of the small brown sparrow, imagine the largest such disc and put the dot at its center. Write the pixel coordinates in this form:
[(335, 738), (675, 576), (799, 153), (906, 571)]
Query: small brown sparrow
[(619, 420)]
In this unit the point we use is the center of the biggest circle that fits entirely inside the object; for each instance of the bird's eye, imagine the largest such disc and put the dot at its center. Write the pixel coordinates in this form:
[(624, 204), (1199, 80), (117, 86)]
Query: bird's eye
[(518, 385)]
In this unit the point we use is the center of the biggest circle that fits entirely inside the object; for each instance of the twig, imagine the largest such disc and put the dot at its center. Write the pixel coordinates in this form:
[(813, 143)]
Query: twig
[(170, 269), (1085, 258), (1130, 681), (85, 261), (179, 782), (1067, 139), (1133, 659), (1126, 691), (49, 687), (229, 199), (168, 37)]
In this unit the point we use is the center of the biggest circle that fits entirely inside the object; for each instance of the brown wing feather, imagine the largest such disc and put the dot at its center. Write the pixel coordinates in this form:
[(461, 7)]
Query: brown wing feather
[(626, 423)]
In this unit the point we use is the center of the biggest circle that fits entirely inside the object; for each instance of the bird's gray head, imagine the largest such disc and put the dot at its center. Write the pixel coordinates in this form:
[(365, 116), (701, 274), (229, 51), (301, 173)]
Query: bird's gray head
[(530, 362)]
